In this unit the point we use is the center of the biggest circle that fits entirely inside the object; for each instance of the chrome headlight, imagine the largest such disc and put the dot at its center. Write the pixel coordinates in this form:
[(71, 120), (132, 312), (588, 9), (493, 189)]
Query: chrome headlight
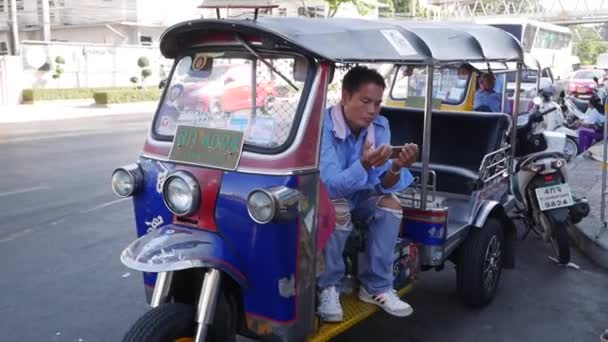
[(279, 204), (181, 193), (261, 206), (127, 180)]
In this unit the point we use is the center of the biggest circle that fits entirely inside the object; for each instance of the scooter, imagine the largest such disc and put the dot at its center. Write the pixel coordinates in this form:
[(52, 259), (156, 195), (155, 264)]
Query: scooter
[(555, 121), (540, 184)]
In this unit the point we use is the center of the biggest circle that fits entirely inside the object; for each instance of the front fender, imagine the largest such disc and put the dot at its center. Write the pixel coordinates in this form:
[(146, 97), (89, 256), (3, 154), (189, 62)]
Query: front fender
[(175, 248)]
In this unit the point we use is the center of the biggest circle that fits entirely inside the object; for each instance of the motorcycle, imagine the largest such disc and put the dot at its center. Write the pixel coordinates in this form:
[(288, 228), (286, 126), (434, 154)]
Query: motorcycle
[(540, 184), (555, 121)]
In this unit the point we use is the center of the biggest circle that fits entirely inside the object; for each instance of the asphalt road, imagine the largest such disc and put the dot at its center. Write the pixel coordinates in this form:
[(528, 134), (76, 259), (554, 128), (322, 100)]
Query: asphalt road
[(62, 230)]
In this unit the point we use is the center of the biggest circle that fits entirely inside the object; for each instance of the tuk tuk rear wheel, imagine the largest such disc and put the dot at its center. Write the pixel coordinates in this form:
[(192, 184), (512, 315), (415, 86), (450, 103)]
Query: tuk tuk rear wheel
[(480, 263), (175, 322)]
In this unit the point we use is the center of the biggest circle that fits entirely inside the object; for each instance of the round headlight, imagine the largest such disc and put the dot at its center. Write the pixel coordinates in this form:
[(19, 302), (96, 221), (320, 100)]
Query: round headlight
[(261, 206), (123, 183), (181, 193)]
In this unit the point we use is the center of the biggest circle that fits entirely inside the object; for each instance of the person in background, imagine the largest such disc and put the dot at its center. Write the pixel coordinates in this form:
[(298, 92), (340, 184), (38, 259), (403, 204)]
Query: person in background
[(486, 98), (591, 128)]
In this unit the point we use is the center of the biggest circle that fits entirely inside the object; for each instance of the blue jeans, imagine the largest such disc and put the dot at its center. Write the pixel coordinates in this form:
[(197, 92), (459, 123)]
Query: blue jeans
[(383, 231)]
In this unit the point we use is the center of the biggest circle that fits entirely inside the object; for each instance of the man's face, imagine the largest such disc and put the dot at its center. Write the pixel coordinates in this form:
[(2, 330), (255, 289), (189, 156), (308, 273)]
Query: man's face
[(463, 74), (486, 83), (363, 105)]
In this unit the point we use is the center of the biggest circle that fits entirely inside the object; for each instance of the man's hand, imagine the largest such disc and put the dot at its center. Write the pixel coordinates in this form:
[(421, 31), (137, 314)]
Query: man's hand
[(407, 156), (372, 158)]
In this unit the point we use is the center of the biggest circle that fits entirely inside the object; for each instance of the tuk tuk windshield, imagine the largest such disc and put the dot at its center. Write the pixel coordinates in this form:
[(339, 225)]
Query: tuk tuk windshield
[(235, 92), (448, 85)]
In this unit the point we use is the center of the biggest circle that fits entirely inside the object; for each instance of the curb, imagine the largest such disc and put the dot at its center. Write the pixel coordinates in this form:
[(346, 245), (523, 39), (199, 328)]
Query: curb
[(587, 243), (584, 179)]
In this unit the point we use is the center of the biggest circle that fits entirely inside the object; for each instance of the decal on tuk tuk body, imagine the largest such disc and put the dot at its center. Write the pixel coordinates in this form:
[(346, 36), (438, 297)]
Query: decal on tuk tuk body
[(150, 211), (427, 227)]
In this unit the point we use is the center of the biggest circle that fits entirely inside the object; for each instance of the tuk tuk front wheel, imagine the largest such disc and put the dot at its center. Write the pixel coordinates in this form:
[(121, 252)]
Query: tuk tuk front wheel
[(175, 322), (480, 263)]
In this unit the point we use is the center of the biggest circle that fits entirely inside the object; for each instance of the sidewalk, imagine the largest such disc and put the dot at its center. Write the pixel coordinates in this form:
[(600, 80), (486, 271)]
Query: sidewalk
[(58, 110), (585, 179)]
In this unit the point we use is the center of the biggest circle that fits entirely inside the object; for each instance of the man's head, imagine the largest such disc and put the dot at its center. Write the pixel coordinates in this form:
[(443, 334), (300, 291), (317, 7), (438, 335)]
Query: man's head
[(464, 72), (487, 81), (362, 91)]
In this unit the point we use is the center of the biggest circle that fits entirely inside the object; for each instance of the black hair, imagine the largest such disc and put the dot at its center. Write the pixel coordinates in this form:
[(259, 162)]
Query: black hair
[(358, 76)]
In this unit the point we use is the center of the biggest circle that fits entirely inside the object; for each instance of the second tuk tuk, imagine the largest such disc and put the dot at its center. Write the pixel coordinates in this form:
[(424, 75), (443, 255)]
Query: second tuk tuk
[(229, 207)]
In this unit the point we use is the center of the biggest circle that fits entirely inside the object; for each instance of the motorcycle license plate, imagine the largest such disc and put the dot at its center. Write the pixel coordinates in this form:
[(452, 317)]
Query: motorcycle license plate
[(553, 197)]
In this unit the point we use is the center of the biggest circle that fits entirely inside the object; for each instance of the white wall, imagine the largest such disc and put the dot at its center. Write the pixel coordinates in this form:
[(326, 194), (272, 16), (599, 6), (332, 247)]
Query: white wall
[(97, 34), (10, 80), (167, 12)]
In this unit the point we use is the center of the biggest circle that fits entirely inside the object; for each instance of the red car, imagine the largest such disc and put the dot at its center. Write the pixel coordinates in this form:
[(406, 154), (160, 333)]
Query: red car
[(228, 89), (582, 84)]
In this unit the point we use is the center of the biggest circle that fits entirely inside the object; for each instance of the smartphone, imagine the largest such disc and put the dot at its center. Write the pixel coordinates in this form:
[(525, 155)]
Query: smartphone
[(395, 151)]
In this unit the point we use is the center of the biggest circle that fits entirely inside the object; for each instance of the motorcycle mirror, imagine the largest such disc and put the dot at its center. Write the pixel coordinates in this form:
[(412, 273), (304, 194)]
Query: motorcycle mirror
[(537, 100)]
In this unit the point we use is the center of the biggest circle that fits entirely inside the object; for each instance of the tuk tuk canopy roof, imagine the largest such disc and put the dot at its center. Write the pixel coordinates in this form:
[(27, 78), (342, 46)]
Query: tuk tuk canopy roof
[(358, 40)]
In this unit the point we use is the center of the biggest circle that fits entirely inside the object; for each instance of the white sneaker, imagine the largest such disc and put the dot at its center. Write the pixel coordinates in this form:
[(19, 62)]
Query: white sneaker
[(388, 301), (329, 308)]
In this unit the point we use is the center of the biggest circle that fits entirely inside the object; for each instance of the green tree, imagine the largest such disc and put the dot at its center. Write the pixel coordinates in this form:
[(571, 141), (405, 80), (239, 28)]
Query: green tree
[(590, 45), (59, 62), (143, 63), (334, 5)]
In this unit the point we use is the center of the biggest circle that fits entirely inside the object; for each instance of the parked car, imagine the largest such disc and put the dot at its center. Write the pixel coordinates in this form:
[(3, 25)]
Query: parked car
[(228, 89), (582, 84)]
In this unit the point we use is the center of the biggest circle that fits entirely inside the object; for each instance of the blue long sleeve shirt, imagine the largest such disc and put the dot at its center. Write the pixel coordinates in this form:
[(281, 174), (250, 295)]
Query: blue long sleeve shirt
[(340, 164), (489, 98)]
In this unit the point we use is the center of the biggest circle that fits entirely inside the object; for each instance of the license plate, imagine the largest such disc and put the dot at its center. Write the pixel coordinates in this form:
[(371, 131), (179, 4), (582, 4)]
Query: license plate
[(581, 90), (553, 197), (203, 146)]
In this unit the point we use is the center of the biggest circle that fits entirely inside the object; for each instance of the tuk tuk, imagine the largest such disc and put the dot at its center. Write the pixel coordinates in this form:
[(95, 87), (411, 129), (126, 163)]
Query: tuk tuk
[(229, 207)]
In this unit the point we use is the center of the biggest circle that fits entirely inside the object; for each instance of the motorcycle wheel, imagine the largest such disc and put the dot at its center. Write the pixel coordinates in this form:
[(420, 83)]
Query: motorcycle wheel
[(571, 150), (175, 322), (479, 264), (559, 240)]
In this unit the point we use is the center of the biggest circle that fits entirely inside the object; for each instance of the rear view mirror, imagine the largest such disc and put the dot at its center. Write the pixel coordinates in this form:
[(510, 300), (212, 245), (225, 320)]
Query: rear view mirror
[(300, 69), (162, 84)]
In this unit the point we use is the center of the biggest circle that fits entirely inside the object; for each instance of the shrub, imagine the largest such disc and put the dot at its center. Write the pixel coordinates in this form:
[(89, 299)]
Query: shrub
[(51, 94), (28, 96), (124, 96)]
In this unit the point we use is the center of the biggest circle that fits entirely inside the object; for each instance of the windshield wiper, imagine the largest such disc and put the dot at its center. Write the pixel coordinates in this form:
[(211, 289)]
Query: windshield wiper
[(253, 52)]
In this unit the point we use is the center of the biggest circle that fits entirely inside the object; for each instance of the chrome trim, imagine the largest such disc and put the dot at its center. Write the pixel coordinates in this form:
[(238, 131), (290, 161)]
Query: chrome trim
[(137, 177), (194, 191), (426, 138), (246, 170), (515, 112), (162, 287), (205, 310), (495, 164), (483, 213)]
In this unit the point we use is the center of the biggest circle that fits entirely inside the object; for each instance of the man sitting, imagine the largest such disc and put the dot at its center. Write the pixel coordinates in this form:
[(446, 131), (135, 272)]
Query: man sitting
[(360, 178), (486, 99)]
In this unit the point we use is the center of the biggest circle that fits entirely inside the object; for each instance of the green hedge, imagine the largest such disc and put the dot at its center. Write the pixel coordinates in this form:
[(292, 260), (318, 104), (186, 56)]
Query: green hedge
[(123, 96), (32, 95)]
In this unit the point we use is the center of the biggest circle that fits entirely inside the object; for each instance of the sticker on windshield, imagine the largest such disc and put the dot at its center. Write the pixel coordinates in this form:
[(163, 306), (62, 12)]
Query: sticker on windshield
[(199, 62), (399, 43)]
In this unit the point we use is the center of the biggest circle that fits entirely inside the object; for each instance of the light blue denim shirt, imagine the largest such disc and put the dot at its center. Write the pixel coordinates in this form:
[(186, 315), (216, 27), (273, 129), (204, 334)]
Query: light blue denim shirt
[(489, 98), (341, 168)]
